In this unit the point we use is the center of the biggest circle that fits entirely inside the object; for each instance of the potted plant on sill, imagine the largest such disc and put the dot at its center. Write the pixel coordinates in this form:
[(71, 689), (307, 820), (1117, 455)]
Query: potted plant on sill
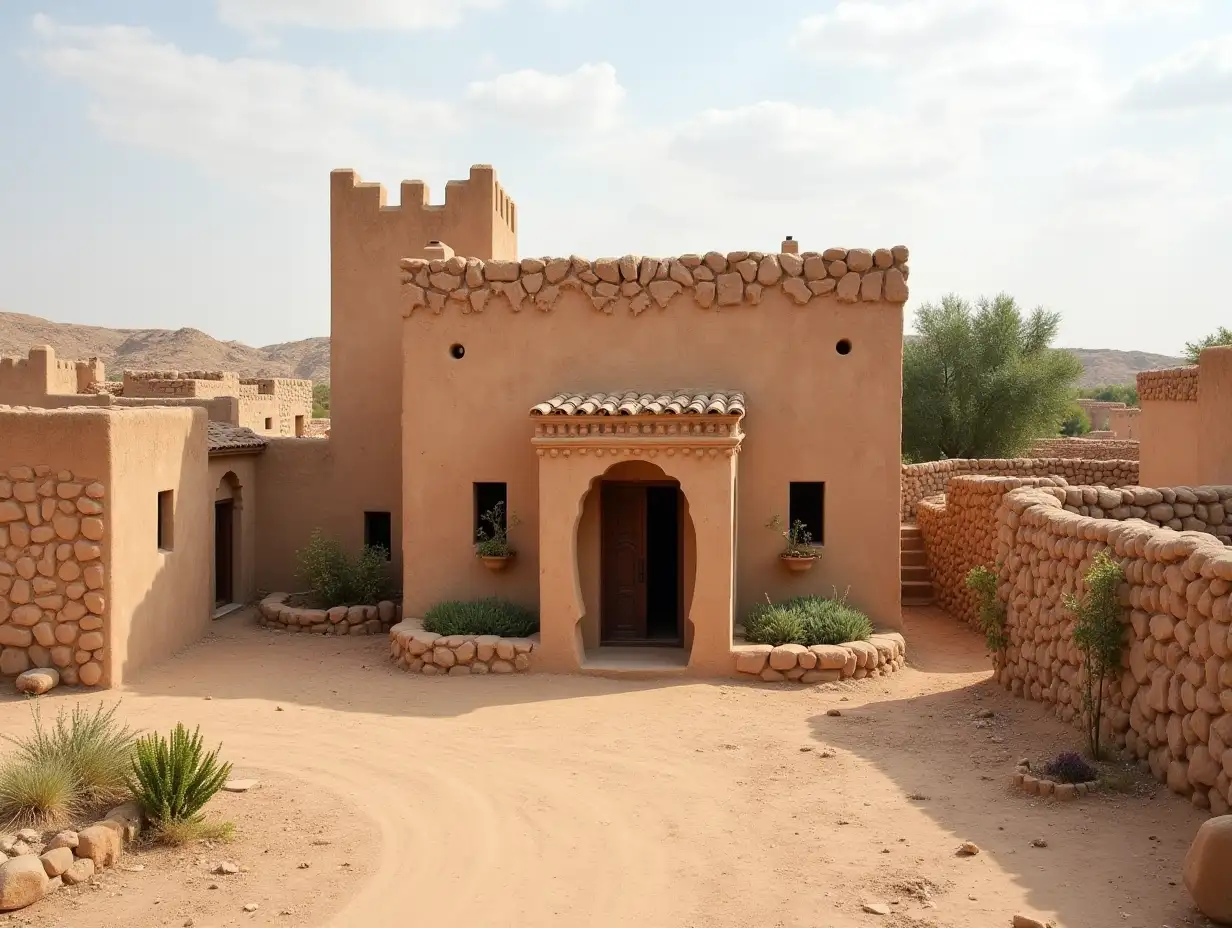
[(492, 547), (799, 553)]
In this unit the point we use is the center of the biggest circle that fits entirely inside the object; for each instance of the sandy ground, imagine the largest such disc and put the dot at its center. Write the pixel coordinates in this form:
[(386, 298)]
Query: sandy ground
[(563, 801)]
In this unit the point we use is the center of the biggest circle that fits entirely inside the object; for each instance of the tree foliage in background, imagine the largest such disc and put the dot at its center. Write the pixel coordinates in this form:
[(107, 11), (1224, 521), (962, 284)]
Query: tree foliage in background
[(320, 401), (982, 380), (1075, 422), (1112, 393), (1221, 336)]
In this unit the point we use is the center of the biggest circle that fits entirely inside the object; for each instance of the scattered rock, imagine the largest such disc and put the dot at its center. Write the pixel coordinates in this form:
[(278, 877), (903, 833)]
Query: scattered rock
[(23, 882), (240, 786), (80, 872), (57, 860), (1038, 842), (1026, 921), (876, 908), (304, 865), (917, 797), (99, 844), (833, 712), (827, 752), (1207, 865), (968, 849), (30, 836), (66, 839), (38, 681), (251, 907), (985, 714), (226, 867)]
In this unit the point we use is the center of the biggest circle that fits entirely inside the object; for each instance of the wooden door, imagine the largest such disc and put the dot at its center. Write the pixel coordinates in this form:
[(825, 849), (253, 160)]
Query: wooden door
[(623, 556), (223, 549)]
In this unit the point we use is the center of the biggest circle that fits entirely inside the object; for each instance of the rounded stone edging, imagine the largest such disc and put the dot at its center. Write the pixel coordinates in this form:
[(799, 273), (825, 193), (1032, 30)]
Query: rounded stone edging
[(338, 620), (880, 655), (1025, 780), (420, 651)]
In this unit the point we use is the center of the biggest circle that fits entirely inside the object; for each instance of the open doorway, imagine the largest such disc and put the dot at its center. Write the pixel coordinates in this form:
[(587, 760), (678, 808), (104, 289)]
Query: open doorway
[(224, 552), (641, 558)]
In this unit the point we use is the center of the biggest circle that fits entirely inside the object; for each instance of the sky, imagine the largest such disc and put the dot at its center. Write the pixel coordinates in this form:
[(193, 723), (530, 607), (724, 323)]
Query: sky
[(166, 164)]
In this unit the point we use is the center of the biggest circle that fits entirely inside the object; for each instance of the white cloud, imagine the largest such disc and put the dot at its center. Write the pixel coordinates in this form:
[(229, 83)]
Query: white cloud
[(258, 15), (587, 98), (1196, 78)]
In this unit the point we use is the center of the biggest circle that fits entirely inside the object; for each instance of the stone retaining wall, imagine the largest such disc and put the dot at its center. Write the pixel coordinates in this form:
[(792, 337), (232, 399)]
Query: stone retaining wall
[(1177, 384), (425, 652), (52, 580), (339, 620), (882, 654), (1171, 707), (932, 477), (1085, 449), (636, 283)]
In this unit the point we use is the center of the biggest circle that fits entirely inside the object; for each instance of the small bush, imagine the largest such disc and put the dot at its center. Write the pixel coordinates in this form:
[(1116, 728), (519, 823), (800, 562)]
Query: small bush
[(93, 747), (172, 780), (336, 580), (983, 582), (806, 620), (178, 834), (1070, 768), (489, 616), (37, 793)]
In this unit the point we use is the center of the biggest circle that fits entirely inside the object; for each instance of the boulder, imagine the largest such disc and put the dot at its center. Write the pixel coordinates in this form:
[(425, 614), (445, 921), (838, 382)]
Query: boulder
[(81, 870), (1206, 868), (39, 681), (66, 839), (100, 844), (131, 817), (57, 860), (752, 658), (23, 881)]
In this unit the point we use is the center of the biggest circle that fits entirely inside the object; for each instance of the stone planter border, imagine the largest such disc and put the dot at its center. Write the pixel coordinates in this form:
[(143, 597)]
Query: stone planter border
[(1027, 781), (340, 620), (880, 656), (420, 651)]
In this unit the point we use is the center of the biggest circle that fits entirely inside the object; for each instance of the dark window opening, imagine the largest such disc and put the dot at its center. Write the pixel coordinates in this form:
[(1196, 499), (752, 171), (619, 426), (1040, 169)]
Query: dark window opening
[(456, 351), (491, 500), (166, 520), (269, 424), (807, 504), (843, 346), (299, 426), (663, 563), (379, 532)]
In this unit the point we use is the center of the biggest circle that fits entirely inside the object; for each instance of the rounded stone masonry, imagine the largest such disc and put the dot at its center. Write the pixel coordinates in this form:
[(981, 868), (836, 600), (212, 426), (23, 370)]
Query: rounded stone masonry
[(880, 656), (1036, 784), (53, 602), (425, 652), (274, 612)]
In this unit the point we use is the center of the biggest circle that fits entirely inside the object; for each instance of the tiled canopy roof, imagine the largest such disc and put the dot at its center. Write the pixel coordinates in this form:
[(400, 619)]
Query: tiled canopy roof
[(224, 437), (632, 403)]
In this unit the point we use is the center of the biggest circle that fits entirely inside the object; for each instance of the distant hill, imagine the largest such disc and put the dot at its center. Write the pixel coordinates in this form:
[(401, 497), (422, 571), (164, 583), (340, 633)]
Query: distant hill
[(190, 349), (163, 349)]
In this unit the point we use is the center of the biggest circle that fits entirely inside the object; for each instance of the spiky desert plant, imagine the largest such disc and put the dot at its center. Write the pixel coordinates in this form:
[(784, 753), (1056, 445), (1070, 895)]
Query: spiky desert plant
[(173, 779)]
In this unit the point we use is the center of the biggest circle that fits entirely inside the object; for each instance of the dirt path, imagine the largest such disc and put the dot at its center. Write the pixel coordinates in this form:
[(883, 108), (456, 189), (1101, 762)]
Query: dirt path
[(560, 801)]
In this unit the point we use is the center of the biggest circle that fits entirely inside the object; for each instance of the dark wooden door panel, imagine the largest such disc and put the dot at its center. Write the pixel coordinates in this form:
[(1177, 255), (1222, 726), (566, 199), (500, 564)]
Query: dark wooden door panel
[(223, 551), (623, 555)]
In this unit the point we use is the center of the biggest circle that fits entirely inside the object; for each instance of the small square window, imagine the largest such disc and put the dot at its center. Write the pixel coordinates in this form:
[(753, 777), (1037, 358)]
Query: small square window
[(378, 532), (166, 520), (807, 504), (490, 498), (269, 425)]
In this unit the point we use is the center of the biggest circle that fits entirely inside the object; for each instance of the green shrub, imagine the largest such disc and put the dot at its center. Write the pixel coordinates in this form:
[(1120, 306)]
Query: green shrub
[(93, 747), (489, 616), (1099, 633), (178, 834), (983, 581), (493, 541), (336, 580), (37, 793), (172, 780), (806, 620)]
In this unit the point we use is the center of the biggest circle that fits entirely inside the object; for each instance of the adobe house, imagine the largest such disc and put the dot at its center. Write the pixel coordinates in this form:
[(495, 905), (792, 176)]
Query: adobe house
[(1184, 439), (645, 419)]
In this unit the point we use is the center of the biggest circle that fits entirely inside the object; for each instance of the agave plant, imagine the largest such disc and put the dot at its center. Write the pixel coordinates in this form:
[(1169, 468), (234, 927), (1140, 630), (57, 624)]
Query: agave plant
[(173, 779)]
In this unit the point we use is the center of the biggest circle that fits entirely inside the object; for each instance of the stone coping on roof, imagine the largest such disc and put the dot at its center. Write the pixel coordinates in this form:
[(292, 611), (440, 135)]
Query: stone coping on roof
[(636, 283), (227, 439), (633, 403)]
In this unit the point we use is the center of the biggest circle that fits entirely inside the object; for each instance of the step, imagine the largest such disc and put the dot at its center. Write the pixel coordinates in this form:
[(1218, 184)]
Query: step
[(914, 558), (907, 531), (909, 574), (911, 544), (916, 590), (918, 602)]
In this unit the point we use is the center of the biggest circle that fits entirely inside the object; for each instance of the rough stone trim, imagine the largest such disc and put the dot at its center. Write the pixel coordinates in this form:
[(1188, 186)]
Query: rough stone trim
[(340, 620), (1026, 780), (420, 651), (880, 656), (1086, 449), (635, 283), (1175, 384)]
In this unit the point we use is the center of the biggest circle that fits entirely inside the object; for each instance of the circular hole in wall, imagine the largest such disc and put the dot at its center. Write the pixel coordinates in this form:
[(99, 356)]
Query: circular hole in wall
[(843, 346), (456, 351)]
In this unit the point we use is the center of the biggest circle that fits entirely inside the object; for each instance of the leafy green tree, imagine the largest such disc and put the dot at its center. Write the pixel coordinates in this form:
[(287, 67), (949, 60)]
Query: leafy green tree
[(983, 380), (1075, 422), (1221, 336), (1113, 393), (320, 400)]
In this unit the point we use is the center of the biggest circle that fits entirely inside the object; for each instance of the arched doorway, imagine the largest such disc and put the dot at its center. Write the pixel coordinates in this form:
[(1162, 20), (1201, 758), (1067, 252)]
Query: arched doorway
[(227, 504)]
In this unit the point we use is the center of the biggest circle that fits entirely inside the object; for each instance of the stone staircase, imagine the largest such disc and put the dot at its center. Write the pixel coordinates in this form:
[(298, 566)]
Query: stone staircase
[(917, 584)]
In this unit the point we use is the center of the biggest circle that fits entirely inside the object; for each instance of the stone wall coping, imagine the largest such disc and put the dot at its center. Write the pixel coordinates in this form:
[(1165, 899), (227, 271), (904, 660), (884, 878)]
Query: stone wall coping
[(882, 654), (420, 651), (1178, 384), (635, 283)]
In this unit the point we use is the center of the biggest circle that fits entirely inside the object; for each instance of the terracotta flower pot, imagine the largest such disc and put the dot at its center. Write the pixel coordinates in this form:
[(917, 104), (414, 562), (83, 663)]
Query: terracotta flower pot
[(496, 562), (798, 564)]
